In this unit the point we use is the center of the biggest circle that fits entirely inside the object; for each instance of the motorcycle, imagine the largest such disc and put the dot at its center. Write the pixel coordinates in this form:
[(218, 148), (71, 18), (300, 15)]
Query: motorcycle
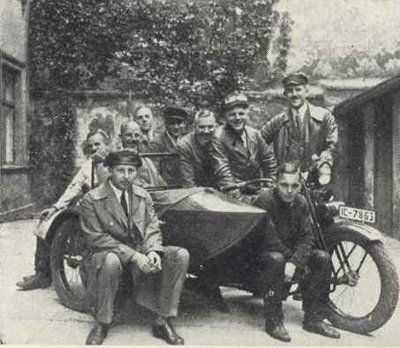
[(364, 287)]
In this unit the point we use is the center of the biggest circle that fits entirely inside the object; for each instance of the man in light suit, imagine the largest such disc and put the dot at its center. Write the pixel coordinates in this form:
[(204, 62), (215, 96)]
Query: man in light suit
[(122, 232), (306, 134)]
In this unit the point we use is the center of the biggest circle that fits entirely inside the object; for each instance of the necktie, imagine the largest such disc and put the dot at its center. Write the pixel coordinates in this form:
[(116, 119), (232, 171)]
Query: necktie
[(124, 204)]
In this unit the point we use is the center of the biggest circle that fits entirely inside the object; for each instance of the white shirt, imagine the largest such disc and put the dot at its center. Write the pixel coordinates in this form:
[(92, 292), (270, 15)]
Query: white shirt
[(301, 111), (118, 193)]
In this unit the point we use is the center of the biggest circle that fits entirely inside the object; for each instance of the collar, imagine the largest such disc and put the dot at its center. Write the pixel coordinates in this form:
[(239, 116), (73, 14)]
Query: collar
[(116, 190), (303, 110), (171, 139)]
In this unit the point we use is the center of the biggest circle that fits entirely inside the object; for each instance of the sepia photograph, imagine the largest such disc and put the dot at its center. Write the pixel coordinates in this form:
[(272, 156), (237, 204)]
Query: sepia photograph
[(199, 172)]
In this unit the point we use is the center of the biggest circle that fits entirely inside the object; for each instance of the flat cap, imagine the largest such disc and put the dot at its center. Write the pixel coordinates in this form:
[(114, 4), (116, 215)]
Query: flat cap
[(295, 79), (175, 112), (235, 99), (123, 157)]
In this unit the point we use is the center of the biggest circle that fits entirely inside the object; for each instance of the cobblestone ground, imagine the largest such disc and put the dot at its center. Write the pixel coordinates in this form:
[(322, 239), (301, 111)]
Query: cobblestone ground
[(36, 317)]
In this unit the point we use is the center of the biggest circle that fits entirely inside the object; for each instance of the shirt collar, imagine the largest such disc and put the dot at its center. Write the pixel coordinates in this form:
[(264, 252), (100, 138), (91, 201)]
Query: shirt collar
[(303, 109), (116, 190)]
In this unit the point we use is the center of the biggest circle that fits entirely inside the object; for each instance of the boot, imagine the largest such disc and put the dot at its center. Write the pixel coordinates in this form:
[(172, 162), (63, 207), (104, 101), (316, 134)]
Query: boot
[(274, 321), (38, 281)]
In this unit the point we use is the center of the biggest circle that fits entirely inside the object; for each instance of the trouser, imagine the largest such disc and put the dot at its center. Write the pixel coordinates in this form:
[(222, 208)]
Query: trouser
[(42, 257), (314, 284), (158, 292)]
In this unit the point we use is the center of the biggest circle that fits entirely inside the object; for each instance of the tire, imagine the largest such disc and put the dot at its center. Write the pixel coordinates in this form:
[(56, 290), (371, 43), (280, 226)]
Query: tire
[(386, 276), (66, 260)]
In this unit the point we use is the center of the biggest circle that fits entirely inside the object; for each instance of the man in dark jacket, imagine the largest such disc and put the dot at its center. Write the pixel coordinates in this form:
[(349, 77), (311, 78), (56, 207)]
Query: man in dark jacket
[(176, 120), (289, 255), (194, 151), (122, 232), (306, 133), (239, 151)]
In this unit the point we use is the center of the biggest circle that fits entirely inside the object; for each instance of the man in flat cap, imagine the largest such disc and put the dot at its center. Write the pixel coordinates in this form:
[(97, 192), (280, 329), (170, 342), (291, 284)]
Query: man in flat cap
[(239, 151), (307, 134), (122, 234), (176, 120)]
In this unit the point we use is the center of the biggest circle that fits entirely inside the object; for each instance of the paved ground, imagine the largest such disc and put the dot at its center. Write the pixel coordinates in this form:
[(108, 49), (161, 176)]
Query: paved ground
[(36, 317)]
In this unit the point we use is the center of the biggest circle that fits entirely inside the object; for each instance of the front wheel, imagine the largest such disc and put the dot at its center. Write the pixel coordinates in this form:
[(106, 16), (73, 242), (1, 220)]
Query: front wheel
[(364, 287)]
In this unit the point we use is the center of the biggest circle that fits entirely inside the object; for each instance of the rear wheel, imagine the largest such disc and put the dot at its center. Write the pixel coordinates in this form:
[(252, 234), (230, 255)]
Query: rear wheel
[(364, 288), (67, 255)]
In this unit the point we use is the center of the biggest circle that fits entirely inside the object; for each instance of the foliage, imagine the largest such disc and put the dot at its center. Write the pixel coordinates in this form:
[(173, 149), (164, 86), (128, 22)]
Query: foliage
[(188, 52)]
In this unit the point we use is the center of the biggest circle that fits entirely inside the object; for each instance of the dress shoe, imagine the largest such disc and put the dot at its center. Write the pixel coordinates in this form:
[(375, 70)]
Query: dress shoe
[(37, 281), (321, 328), (278, 331), (97, 335), (167, 332)]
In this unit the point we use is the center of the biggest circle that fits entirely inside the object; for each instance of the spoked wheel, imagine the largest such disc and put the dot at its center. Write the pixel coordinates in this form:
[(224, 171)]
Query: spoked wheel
[(67, 255), (364, 287)]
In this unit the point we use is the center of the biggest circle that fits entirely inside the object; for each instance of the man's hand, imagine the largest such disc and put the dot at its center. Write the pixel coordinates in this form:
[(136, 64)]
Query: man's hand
[(290, 268), (48, 213), (155, 260), (100, 154), (142, 262)]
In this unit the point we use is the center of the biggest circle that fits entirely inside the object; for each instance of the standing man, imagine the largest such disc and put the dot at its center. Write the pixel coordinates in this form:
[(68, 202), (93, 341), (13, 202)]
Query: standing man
[(176, 120), (307, 134), (122, 232), (194, 151), (89, 175), (240, 152), (289, 255)]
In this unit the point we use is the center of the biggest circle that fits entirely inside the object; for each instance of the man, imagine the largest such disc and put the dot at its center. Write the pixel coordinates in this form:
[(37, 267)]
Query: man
[(122, 232), (143, 116), (132, 138), (89, 175), (290, 255), (194, 151), (176, 120), (240, 153), (307, 133)]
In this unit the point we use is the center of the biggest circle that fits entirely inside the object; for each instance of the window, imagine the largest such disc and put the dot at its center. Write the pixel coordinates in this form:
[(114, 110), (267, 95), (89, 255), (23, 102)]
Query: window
[(10, 98)]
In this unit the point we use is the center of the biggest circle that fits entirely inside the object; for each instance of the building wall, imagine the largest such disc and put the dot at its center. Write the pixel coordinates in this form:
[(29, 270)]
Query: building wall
[(15, 198)]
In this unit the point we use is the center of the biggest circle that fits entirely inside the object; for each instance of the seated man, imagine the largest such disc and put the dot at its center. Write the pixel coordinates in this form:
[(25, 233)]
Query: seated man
[(122, 232), (89, 175), (239, 151), (143, 116), (289, 253), (194, 151), (176, 120), (131, 138)]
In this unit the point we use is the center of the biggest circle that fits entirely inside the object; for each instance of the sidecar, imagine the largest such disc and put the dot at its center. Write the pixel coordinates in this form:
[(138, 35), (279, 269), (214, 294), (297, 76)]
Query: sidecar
[(204, 221)]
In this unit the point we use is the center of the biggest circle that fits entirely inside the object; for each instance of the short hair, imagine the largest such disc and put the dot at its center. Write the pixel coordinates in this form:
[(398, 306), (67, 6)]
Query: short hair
[(140, 107), (288, 168), (125, 125), (204, 113), (104, 134)]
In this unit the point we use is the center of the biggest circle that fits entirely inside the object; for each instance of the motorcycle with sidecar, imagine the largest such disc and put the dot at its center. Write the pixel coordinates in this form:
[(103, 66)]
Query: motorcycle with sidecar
[(364, 287)]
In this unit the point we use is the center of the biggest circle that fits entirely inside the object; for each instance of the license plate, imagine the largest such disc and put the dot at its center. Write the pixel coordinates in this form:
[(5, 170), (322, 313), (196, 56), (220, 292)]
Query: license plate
[(357, 214)]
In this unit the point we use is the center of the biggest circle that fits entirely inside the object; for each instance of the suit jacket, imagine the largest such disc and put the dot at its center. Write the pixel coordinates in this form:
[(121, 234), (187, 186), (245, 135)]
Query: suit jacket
[(289, 227), (196, 162), (320, 136), (235, 162), (168, 167), (106, 227)]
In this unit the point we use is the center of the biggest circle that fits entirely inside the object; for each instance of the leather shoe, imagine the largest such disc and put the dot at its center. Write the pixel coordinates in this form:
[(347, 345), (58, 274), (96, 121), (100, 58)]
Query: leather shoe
[(167, 333), (97, 335), (321, 328), (278, 331), (37, 281)]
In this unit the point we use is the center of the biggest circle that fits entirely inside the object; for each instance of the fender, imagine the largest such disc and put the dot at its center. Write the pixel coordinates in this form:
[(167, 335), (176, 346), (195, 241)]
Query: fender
[(46, 228), (367, 232)]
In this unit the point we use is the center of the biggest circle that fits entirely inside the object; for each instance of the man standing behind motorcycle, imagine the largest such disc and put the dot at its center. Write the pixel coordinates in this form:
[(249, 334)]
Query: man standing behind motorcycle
[(90, 174), (239, 151), (289, 255), (306, 133)]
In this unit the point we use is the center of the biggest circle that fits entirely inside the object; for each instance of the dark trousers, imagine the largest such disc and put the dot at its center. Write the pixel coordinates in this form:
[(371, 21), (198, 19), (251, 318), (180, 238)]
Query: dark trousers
[(314, 281), (42, 257)]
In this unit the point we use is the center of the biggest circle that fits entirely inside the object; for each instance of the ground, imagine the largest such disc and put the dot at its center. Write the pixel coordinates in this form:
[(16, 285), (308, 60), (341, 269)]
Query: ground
[(36, 317)]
